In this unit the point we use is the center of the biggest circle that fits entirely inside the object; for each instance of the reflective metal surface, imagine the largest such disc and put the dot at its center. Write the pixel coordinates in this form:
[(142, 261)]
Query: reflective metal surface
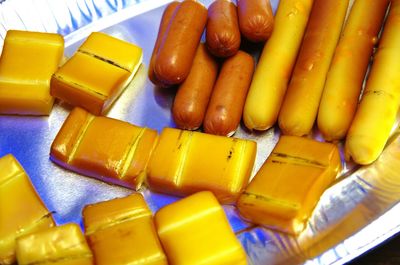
[(356, 213)]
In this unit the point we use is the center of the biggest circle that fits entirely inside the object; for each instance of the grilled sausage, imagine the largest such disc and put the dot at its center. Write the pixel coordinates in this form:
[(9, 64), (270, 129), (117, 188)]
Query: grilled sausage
[(227, 100), (166, 18), (256, 20), (177, 50), (194, 93), (222, 31)]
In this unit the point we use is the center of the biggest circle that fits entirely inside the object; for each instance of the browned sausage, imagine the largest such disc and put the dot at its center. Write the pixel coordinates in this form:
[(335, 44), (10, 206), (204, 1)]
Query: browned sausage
[(194, 93), (180, 42), (222, 31), (256, 19), (166, 17), (227, 100)]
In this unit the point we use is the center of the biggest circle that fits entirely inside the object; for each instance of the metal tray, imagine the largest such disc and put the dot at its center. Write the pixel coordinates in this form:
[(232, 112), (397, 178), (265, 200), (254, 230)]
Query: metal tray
[(353, 215)]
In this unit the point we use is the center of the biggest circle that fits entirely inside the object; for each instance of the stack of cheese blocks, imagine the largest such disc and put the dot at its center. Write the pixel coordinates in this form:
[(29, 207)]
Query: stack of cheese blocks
[(119, 231)]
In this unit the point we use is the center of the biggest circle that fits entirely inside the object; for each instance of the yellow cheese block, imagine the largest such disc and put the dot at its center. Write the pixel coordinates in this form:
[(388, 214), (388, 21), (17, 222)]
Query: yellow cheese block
[(21, 209), (97, 73), (27, 62), (196, 231), (286, 189), (121, 231), (104, 148), (185, 162), (58, 245)]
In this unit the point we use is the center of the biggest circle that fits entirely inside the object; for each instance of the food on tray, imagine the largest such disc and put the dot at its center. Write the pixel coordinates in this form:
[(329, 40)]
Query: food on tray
[(194, 93), (95, 76), (178, 47), (275, 65), (22, 211), (185, 162), (27, 62), (348, 68), (379, 105), (165, 19), (195, 230), (121, 231), (104, 148), (256, 20), (225, 109), (286, 189), (300, 106), (57, 245), (222, 31)]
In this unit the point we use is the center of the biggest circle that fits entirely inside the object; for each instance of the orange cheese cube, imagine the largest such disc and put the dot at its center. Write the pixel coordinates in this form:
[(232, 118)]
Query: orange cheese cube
[(59, 245), (121, 231), (27, 63), (97, 73), (195, 231), (289, 184), (21, 209), (104, 148), (185, 162)]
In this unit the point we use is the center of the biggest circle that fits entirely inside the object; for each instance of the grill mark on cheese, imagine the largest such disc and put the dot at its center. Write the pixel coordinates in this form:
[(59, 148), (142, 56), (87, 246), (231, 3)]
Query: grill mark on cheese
[(9, 178), (56, 260), (81, 87), (104, 60), (130, 154), (271, 200), (136, 214), (82, 132), (295, 160), (183, 156)]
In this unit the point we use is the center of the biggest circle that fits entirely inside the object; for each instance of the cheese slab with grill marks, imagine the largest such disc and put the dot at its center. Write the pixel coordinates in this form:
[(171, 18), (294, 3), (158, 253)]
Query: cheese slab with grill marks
[(121, 231), (59, 245), (95, 76), (287, 187), (21, 209), (104, 148), (185, 162)]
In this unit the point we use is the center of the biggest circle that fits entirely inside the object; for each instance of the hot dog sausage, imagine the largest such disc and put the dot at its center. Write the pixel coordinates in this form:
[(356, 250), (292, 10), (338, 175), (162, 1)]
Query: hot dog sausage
[(275, 65), (256, 19), (229, 94), (300, 106), (194, 93), (222, 31), (177, 50), (377, 112), (348, 68), (166, 18)]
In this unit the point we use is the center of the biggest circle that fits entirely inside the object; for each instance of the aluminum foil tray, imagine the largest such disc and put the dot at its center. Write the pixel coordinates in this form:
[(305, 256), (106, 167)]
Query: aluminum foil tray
[(359, 211)]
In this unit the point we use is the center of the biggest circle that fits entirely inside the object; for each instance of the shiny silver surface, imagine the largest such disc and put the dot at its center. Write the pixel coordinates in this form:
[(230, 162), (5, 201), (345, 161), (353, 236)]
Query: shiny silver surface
[(356, 213)]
